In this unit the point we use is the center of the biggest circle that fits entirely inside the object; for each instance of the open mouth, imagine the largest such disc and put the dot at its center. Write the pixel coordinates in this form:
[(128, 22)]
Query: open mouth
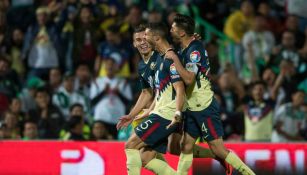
[(143, 47)]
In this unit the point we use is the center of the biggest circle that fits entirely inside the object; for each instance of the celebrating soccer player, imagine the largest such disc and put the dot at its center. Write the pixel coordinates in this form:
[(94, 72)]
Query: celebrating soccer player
[(152, 133), (202, 118)]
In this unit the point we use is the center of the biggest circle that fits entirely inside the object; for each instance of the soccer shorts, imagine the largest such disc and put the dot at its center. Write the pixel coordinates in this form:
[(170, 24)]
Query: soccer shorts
[(154, 133), (205, 124)]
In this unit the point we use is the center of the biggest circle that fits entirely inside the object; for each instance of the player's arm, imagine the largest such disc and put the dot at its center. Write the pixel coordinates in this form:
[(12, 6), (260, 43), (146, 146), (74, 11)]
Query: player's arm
[(180, 95), (144, 99), (187, 76)]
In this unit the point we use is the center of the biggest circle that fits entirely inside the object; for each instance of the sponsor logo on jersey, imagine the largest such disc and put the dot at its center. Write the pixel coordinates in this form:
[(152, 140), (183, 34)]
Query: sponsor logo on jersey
[(173, 69), (195, 56)]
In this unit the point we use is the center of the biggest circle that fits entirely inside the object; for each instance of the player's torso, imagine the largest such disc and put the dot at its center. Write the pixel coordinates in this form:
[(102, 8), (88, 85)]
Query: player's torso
[(165, 93), (199, 94), (147, 70)]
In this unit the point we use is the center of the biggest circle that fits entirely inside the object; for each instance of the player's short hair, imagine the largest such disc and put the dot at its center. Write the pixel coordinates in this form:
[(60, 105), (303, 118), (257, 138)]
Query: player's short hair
[(140, 28), (159, 29), (185, 23)]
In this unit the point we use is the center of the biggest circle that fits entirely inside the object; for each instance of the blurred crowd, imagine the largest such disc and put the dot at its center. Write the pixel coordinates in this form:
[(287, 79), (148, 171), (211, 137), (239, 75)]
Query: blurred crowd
[(68, 69)]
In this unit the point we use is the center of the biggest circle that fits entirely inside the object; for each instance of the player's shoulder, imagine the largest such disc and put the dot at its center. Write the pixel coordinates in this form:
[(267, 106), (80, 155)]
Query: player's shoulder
[(195, 45)]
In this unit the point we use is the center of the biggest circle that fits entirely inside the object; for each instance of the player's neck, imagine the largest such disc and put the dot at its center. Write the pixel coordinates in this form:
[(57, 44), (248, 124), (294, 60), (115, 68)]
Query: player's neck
[(163, 47), (186, 41), (147, 57)]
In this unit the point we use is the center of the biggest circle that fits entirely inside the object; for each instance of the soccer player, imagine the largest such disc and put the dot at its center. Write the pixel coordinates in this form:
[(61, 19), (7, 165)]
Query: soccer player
[(146, 71), (202, 118), (152, 133)]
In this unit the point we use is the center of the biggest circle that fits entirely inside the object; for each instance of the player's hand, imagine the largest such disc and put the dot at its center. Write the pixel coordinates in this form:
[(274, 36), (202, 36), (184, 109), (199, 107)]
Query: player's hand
[(170, 55), (124, 121), (197, 36), (176, 119), (143, 115)]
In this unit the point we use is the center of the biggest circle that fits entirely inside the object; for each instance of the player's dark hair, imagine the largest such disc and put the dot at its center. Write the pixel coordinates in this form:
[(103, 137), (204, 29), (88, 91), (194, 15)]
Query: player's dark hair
[(185, 23), (159, 29), (140, 28)]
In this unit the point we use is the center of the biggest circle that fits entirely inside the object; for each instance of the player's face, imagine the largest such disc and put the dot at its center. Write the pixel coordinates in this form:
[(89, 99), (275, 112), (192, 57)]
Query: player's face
[(141, 44), (175, 32), (149, 37)]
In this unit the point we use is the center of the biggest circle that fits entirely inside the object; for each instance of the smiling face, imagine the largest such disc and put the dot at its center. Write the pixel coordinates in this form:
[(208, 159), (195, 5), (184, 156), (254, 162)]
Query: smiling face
[(141, 44)]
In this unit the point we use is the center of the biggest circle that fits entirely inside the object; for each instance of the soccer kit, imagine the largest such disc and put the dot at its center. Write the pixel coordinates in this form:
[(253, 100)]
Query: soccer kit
[(202, 117), (152, 130), (146, 72)]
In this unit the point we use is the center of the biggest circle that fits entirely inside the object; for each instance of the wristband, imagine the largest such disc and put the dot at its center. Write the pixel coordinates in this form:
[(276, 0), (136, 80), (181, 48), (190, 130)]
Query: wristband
[(178, 113)]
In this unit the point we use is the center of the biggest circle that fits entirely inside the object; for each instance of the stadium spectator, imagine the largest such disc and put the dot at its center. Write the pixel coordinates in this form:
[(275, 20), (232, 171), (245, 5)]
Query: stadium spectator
[(83, 77), (85, 38), (99, 132), (42, 43), (291, 24), (257, 44), (27, 95), (30, 131), (15, 108), (240, 22), (290, 120), (291, 79), (114, 46), (274, 90), (154, 16), (4, 134), (109, 95), (75, 125), (273, 23), (235, 27), (12, 125), (48, 117), (55, 80), (66, 96), (228, 95), (14, 52), (286, 50), (77, 110), (258, 115), (68, 17)]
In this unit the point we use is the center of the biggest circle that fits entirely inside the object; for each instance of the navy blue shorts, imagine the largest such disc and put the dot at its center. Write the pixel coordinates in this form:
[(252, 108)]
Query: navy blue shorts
[(152, 131), (205, 124)]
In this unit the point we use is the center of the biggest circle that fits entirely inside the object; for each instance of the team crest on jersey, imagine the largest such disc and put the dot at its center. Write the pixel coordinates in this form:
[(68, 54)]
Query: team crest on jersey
[(195, 56), (173, 69), (152, 66)]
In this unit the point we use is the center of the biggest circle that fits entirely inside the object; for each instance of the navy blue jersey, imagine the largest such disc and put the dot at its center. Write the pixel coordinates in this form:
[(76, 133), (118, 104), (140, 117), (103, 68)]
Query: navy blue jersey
[(147, 70), (195, 59)]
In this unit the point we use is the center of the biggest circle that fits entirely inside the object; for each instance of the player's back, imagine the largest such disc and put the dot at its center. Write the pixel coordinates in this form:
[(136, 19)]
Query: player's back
[(195, 59)]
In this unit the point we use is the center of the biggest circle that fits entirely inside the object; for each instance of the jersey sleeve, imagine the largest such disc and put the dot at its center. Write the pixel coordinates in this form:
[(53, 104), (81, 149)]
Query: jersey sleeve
[(193, 60), (144, 84), (174, 75)]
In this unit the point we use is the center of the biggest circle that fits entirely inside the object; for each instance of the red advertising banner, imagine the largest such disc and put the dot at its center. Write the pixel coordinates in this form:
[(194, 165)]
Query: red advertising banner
[(108, 158)]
